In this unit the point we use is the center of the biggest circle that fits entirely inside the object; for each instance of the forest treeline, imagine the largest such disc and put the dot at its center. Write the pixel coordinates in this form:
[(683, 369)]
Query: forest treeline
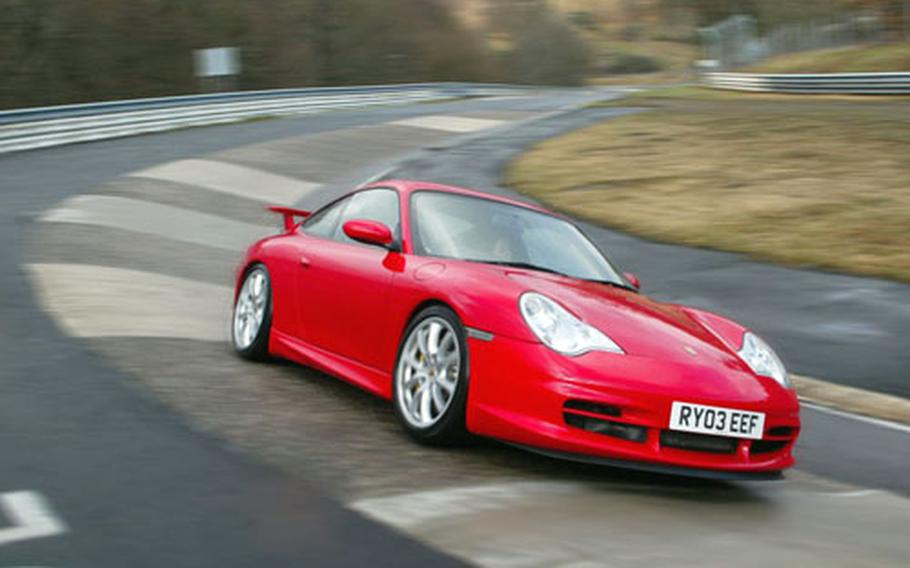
[(62, 51), (65, 51)]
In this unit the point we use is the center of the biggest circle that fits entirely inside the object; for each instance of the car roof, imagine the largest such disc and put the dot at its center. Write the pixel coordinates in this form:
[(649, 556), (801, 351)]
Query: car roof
[(407, 187)]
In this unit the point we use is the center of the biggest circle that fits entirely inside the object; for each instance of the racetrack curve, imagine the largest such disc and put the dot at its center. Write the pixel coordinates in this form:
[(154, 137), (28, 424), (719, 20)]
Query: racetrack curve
[(130, 245)]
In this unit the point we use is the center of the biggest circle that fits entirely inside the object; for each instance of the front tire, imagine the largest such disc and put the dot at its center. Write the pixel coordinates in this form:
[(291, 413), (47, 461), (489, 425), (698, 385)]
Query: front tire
[(430, 385), (251, 323)]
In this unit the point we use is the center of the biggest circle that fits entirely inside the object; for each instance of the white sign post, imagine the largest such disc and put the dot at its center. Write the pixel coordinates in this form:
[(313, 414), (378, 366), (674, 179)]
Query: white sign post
[(217, 68)]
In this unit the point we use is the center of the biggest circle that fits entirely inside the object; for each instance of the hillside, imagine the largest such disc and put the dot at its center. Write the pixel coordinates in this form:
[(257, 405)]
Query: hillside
[(623, 36)]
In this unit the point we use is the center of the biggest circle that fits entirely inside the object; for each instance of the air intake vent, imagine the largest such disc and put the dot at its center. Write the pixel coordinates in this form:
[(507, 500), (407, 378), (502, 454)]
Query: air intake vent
[(768, 446), (698, 442), (607, 427), (781, 432), (592, 407)]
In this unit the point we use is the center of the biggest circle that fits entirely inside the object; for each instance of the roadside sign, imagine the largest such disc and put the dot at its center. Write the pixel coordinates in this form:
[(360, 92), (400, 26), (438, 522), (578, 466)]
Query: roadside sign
[(217, 61)]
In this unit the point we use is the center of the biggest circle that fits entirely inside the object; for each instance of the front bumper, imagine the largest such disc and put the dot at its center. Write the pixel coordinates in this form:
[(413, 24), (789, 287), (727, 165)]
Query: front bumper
[(615, 409)]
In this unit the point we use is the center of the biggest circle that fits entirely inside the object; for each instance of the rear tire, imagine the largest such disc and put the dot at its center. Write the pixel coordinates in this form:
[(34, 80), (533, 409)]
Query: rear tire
[(251, 323), (430, 383)]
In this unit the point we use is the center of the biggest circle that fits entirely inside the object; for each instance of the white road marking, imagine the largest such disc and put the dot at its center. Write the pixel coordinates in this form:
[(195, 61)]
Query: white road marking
[(412, 509), (100, 301), (30, 517), (460, 124), (857, 493), (232, 179), (576, 523), (156, 219), (859, 417), (378, 176), (623, 89)]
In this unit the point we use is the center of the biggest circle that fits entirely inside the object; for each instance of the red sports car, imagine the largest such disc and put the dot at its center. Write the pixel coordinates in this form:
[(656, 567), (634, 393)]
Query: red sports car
[(478, 314)]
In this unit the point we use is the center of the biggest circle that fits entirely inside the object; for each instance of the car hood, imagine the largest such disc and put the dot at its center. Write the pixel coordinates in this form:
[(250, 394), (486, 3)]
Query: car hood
[(641, 326)]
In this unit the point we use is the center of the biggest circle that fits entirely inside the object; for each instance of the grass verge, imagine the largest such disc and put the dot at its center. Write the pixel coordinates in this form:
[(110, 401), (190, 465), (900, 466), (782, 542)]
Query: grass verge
[(857, 59), (796, 180)]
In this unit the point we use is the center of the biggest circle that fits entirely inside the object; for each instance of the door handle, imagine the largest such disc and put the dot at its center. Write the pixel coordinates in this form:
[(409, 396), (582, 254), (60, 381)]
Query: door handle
[(304, 262)]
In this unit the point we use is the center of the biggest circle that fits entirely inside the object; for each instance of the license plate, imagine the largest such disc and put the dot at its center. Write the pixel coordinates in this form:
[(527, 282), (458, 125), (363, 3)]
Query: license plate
[(701, 419)]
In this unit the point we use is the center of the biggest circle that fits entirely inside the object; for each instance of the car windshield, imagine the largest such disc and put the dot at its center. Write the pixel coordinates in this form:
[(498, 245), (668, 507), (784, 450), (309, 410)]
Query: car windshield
[(472, 228)]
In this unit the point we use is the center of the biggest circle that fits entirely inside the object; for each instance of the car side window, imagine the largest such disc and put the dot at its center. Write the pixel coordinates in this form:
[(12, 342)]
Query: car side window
[(324, 222), (372, 205)]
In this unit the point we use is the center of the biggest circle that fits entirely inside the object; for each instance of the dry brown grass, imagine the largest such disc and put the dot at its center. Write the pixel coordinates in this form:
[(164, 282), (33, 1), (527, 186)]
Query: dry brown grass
[(799, 181), (856, 59)]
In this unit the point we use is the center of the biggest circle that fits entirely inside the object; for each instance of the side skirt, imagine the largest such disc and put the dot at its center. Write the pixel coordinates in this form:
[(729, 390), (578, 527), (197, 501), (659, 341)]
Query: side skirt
[(358, 374)]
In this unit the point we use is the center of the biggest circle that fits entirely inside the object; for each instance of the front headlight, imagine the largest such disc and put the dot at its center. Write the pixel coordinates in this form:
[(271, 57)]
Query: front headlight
[(561, 331), (762, 359)]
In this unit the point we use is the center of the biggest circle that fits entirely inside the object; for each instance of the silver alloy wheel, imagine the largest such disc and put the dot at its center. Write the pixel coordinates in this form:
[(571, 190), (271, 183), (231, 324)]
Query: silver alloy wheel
[(427, 373), (249, 311)]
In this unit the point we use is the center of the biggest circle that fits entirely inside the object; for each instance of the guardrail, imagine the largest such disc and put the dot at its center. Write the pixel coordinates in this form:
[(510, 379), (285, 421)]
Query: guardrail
[(831, 83), (32, 128)]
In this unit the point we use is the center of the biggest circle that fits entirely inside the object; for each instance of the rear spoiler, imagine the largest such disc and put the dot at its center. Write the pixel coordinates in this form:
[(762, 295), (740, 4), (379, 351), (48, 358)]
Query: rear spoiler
[(289, 213)]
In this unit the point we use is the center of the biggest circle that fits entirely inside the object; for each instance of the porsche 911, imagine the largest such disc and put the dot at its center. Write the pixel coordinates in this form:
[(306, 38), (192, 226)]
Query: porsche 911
[(479, 315)]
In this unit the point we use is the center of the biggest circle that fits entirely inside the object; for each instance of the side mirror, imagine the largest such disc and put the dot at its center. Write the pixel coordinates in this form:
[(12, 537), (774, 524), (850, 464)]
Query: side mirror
[(369, 232), (633, 280)]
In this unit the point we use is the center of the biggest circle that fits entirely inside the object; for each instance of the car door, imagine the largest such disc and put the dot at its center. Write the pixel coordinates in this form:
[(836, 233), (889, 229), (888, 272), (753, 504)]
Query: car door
[(344, 286)]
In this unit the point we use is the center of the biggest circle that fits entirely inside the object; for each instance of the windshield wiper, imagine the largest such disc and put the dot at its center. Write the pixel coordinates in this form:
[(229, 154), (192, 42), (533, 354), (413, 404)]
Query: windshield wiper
[(612, 283), (528, 265), (517, 264)]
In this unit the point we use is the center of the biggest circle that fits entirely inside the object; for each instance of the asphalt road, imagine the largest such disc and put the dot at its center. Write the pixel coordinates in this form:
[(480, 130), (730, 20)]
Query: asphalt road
[(134, 482), (168, 451)]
